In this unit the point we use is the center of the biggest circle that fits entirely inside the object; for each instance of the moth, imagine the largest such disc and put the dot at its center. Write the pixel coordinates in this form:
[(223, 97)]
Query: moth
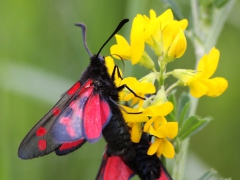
[(85, 112), (145, 166)]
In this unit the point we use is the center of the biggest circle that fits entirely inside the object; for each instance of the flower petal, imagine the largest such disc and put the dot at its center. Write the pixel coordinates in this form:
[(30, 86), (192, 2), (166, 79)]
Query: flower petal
[(109, 64), (208, 64), (168, 149), (222, 85), (148, 124), (197, 89), (172, 129), (136, 132), (161, 110), (178, 46), (183, 24), (153, 148), (137, 39), (135, 118), (121, 49)]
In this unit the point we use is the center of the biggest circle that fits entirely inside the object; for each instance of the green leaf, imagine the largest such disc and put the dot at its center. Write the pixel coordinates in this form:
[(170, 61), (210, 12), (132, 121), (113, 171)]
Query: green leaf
[(183, 108), (218, 18), (184, 98), (192, 125), (220, 3), (183, 114), (171, 118), (207, 175), (210, 174)]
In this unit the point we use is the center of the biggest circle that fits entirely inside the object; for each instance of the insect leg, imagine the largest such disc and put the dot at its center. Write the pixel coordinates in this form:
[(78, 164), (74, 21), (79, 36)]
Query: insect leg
[(120, 88), (123, 108), (113, 73)]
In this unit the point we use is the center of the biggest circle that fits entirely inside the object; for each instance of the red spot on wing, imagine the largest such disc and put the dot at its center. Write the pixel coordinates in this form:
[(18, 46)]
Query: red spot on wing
[(41, 131), (42, 144), (56, 111), (74, 88), (70, 145)]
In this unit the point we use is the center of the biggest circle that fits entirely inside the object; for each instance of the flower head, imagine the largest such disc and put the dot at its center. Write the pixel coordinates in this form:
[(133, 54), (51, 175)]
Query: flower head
[(200, 83), (161, 129), (166, 35), (135, 50)]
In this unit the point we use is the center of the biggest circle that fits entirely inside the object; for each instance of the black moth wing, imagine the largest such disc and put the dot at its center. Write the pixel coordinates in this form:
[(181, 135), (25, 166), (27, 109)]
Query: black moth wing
[(39, 141)]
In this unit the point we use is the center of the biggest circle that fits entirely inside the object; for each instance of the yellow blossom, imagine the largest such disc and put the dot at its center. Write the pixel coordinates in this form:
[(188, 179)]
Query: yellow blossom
[(161, 129), (166, 35), (135, 50), (199, 82)]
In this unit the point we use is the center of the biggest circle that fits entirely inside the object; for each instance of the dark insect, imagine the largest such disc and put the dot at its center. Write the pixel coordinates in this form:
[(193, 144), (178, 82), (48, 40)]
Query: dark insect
[(85, 112), (145, 166)]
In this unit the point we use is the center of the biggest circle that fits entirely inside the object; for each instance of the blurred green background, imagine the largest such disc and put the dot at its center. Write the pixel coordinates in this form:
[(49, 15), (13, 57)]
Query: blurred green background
[(42, 55)]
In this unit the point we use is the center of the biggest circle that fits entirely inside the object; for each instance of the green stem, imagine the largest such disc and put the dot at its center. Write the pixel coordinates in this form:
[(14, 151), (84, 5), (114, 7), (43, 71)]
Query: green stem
[(162, 71), (172, 87), (180, 160)]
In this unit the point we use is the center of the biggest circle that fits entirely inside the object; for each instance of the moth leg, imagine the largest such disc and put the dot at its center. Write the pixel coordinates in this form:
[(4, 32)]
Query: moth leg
[(120, 88), (123, 108), (118, 72)]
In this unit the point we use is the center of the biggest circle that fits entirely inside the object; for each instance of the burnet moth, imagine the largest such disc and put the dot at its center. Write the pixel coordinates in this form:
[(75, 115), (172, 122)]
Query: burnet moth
[(145, 166), (85, 112)]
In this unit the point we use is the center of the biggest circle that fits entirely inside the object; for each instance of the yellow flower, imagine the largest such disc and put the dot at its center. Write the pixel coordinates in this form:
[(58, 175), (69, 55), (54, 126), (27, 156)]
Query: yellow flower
[(135, 50), (199, 83), (161, 129), (140, 88), (166, 35)]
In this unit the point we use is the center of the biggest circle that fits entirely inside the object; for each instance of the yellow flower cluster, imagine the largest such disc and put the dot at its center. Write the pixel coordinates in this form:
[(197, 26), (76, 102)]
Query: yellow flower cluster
[(199, 82), (165, 36)]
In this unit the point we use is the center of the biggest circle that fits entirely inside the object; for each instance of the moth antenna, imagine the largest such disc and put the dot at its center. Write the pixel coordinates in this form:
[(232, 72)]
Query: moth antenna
[(120, 25), (84, 32)]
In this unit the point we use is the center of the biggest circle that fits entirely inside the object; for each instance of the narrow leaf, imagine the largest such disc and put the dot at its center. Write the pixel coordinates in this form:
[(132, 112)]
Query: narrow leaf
[(183, 107), (192, 125), (207, 175), (184, 114)]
